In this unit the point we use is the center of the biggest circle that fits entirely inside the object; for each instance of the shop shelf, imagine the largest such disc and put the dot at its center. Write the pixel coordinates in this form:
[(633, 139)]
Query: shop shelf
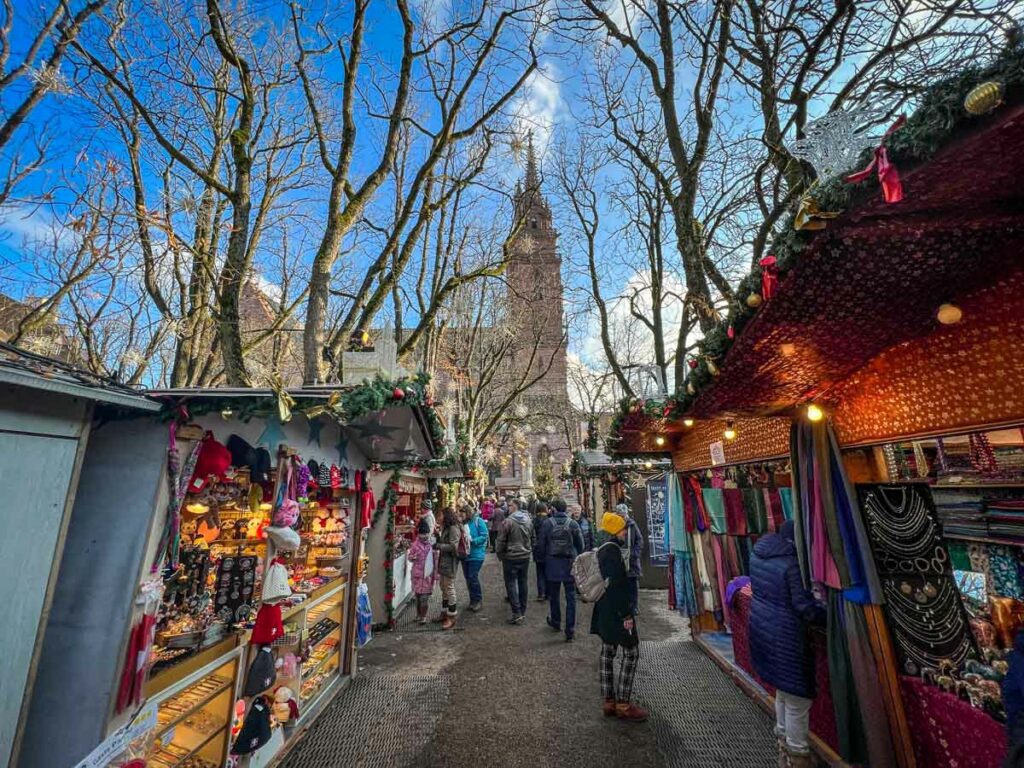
[(200, 703), (202, 744), (321, 664), (983, 539)]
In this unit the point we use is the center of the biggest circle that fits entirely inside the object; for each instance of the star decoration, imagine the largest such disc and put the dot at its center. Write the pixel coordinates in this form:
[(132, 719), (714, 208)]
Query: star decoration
[(374, 430), (315, 425), (342, 447), (272, 435)]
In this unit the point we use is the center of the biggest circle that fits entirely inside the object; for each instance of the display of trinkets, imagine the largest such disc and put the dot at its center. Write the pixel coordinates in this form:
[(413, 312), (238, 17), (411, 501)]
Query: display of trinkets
[(322, 629), (977, 682), (235, 588)]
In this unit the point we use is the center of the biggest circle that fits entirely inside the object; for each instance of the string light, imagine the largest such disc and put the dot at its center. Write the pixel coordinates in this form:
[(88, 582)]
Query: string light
[(814, 412), (648, 465), (226, 414), (687, 423), (730, 432), (659, 440)]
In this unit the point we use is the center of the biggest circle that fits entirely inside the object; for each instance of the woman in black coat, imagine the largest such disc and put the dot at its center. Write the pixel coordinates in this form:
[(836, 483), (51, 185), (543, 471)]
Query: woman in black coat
[(779, 647), (614, 623)]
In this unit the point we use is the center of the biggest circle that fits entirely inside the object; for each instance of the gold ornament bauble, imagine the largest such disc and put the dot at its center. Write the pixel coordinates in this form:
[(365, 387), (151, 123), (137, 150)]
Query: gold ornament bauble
[(754, 300), (712, 368), (984, 98), (690, 389)]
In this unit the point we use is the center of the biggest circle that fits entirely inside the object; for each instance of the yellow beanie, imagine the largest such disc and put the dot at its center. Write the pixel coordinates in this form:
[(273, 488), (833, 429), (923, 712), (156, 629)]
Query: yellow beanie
[(612, 523)]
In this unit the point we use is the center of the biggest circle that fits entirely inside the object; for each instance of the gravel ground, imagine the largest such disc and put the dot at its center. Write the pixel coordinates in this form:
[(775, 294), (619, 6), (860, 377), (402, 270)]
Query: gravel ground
[(490, 694)]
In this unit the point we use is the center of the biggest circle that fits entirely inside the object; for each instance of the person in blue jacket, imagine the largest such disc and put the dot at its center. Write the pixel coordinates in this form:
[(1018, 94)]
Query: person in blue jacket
[(780, 650), (562, 542), (479, 536), (1013, 702)]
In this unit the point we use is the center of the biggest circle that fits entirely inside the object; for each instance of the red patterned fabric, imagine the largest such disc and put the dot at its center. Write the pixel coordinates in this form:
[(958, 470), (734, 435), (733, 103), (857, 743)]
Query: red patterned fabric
[(948, 732), (823, 718), (735, 514)]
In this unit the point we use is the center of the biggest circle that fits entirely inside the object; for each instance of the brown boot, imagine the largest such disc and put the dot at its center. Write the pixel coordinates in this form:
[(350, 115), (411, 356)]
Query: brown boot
[(630, 712), (799, 759), (609, 708), (783, 752), (448, 622)]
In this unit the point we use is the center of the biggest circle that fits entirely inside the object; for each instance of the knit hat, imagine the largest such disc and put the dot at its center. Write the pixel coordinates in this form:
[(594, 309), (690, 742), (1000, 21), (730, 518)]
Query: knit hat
[(285, 539), (256, 728), (612, 523), (268, 625), (262, 672), (275, 582), (213, 460)]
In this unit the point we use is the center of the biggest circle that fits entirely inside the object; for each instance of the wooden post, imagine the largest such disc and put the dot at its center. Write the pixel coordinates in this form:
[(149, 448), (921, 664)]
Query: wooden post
[(352, 595)]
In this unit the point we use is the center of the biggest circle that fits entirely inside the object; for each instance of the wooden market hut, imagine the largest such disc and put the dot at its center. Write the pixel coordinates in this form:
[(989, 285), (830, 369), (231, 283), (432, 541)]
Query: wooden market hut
[(903, 322)]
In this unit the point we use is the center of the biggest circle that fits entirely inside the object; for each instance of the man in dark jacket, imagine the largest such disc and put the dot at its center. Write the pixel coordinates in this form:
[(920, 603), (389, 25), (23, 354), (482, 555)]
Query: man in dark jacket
[(514, 547), (540, 516), (561, 541), (779, 648), (615, 624)]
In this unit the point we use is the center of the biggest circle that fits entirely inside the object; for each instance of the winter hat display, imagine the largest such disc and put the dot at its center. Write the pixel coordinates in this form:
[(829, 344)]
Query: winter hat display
[(284, 539), (323, 478), (275, 582), (242, 454), (256, 728), (335, 476), (262, 672), (285, 706), (213, 461), (268, 625), (261, 466), (302, 480)]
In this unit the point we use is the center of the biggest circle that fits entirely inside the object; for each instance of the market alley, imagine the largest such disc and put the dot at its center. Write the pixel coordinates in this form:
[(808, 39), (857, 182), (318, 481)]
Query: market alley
[(490, 694)]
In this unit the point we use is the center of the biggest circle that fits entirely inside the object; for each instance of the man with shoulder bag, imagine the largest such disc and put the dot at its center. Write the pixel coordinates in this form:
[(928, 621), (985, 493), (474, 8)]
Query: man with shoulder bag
[(561, 542)]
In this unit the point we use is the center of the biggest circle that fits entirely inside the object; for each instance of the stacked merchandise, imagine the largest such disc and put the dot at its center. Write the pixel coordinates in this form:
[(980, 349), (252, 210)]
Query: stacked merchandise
[(1006, 519), (961, 514)]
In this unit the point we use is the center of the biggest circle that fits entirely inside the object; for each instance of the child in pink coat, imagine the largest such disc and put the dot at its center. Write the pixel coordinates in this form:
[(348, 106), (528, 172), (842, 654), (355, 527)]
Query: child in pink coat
[(424, 569)]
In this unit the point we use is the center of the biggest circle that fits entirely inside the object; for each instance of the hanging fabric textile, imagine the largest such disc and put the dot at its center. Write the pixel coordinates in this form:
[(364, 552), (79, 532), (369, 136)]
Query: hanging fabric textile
[(786, 499), (714, 503), (735, 516)]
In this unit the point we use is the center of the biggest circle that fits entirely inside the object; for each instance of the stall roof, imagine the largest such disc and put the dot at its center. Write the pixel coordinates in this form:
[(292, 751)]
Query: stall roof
[(26, 369), (877, 275)]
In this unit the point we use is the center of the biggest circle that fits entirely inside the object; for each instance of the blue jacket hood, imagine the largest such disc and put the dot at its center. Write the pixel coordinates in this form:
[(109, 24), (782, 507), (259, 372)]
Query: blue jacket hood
[(774, 545)]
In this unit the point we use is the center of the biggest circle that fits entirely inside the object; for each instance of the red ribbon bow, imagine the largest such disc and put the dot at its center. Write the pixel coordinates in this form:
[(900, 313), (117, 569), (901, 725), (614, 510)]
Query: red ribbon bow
[(769, 277), (888, 175)]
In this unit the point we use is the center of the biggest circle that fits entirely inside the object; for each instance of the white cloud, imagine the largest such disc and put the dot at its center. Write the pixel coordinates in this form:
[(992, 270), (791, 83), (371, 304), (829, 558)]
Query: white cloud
[(31, 225), (539, 106)]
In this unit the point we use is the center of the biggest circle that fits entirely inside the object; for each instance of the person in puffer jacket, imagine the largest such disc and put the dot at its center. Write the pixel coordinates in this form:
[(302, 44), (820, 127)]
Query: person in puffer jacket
[(780, 650)]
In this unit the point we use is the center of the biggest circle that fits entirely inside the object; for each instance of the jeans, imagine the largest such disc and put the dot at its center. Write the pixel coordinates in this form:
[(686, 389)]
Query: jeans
[(792, 715), (542, 580), (555, 603), (448, 599), (471, 570), (516, 577)]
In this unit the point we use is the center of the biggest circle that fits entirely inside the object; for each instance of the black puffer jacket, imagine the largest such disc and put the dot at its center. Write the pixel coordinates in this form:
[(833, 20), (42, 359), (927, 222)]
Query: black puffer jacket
[(613, 607)]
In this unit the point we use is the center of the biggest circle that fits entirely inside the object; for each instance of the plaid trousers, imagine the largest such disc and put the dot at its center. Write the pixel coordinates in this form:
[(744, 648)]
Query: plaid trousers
[(627, 670)]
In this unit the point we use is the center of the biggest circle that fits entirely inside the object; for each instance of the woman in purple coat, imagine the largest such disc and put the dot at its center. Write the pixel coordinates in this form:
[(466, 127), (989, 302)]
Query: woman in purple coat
[(780, 650)]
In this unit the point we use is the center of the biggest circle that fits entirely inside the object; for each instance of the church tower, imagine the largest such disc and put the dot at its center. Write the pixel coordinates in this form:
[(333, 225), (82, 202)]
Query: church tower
[(535, 286)]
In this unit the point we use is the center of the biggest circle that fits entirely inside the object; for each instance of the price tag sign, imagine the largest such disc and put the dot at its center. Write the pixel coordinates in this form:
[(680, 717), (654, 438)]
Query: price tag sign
[(717, 453)]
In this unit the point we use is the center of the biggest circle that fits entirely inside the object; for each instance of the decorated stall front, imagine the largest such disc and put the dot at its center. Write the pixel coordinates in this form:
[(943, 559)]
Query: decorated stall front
[(871, 364)]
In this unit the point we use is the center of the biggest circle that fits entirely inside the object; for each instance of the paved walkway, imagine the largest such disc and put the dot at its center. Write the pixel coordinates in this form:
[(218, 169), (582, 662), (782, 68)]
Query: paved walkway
[(490, 695)]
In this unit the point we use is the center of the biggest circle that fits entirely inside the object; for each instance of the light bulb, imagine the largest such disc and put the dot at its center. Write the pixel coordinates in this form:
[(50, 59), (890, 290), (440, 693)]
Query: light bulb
[(687, 423), (648, 465), (659, 440), (949, 314), (730, 433), (814, 412)]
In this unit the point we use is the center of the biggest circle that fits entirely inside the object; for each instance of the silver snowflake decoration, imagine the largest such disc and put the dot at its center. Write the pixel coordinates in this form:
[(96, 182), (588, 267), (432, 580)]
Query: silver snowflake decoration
[(833, 143)]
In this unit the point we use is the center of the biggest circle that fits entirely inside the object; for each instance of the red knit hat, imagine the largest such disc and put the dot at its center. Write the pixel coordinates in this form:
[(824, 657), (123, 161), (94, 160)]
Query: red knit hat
[(268, 625), (214, 459)]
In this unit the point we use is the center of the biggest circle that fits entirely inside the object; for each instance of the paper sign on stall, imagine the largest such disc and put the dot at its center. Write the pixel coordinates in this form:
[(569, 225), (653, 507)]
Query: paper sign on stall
[(717, 453)]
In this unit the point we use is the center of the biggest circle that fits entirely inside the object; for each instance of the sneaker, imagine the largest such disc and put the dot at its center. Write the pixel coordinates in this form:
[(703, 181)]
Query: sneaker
[(422, 620), (608, 708), (554, 627), (570, 638), (630, 712), (475, 607), (519, 619)]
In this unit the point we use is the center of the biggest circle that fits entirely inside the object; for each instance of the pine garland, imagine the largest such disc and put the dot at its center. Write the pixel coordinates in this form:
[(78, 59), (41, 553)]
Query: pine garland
[(386, 509)]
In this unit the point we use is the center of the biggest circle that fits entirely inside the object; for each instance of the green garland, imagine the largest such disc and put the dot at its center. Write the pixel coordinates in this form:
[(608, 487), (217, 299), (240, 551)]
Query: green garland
[(386, 508), (938, 120)]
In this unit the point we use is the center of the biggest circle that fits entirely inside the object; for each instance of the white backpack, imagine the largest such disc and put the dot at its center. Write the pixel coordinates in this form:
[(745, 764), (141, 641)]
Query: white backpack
[(587, 573)]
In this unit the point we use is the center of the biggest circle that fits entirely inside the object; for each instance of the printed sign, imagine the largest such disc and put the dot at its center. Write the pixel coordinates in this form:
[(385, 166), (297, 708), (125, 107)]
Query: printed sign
[(657, 508), (717, 453)]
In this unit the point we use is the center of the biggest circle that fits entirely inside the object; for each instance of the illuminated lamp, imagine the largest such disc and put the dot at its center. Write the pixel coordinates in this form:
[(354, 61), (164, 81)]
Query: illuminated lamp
[(730, 431), (949, 314), (814, 412)]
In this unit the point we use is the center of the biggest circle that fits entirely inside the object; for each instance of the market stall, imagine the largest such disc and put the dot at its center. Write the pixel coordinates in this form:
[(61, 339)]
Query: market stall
[(873, 355)]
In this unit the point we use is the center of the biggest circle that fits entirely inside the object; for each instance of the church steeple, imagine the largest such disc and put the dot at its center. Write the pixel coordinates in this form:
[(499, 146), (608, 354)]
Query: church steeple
[(532, 177), (530, 206)]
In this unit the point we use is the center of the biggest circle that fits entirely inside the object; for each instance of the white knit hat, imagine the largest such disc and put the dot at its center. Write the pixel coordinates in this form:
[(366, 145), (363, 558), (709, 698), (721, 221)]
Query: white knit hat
[(275, 582)]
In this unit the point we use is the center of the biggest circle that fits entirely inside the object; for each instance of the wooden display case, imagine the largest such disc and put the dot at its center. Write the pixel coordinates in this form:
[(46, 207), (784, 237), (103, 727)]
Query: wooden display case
[(194, 717)]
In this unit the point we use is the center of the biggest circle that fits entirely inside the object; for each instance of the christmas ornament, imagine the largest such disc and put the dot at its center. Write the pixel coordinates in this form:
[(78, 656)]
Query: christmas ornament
[(285, 402), (690, 389), (398, 394), (834, 142), (754, 300), (731, 333), (984, 98), (692, 363), (712, 368), (888, 176)]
